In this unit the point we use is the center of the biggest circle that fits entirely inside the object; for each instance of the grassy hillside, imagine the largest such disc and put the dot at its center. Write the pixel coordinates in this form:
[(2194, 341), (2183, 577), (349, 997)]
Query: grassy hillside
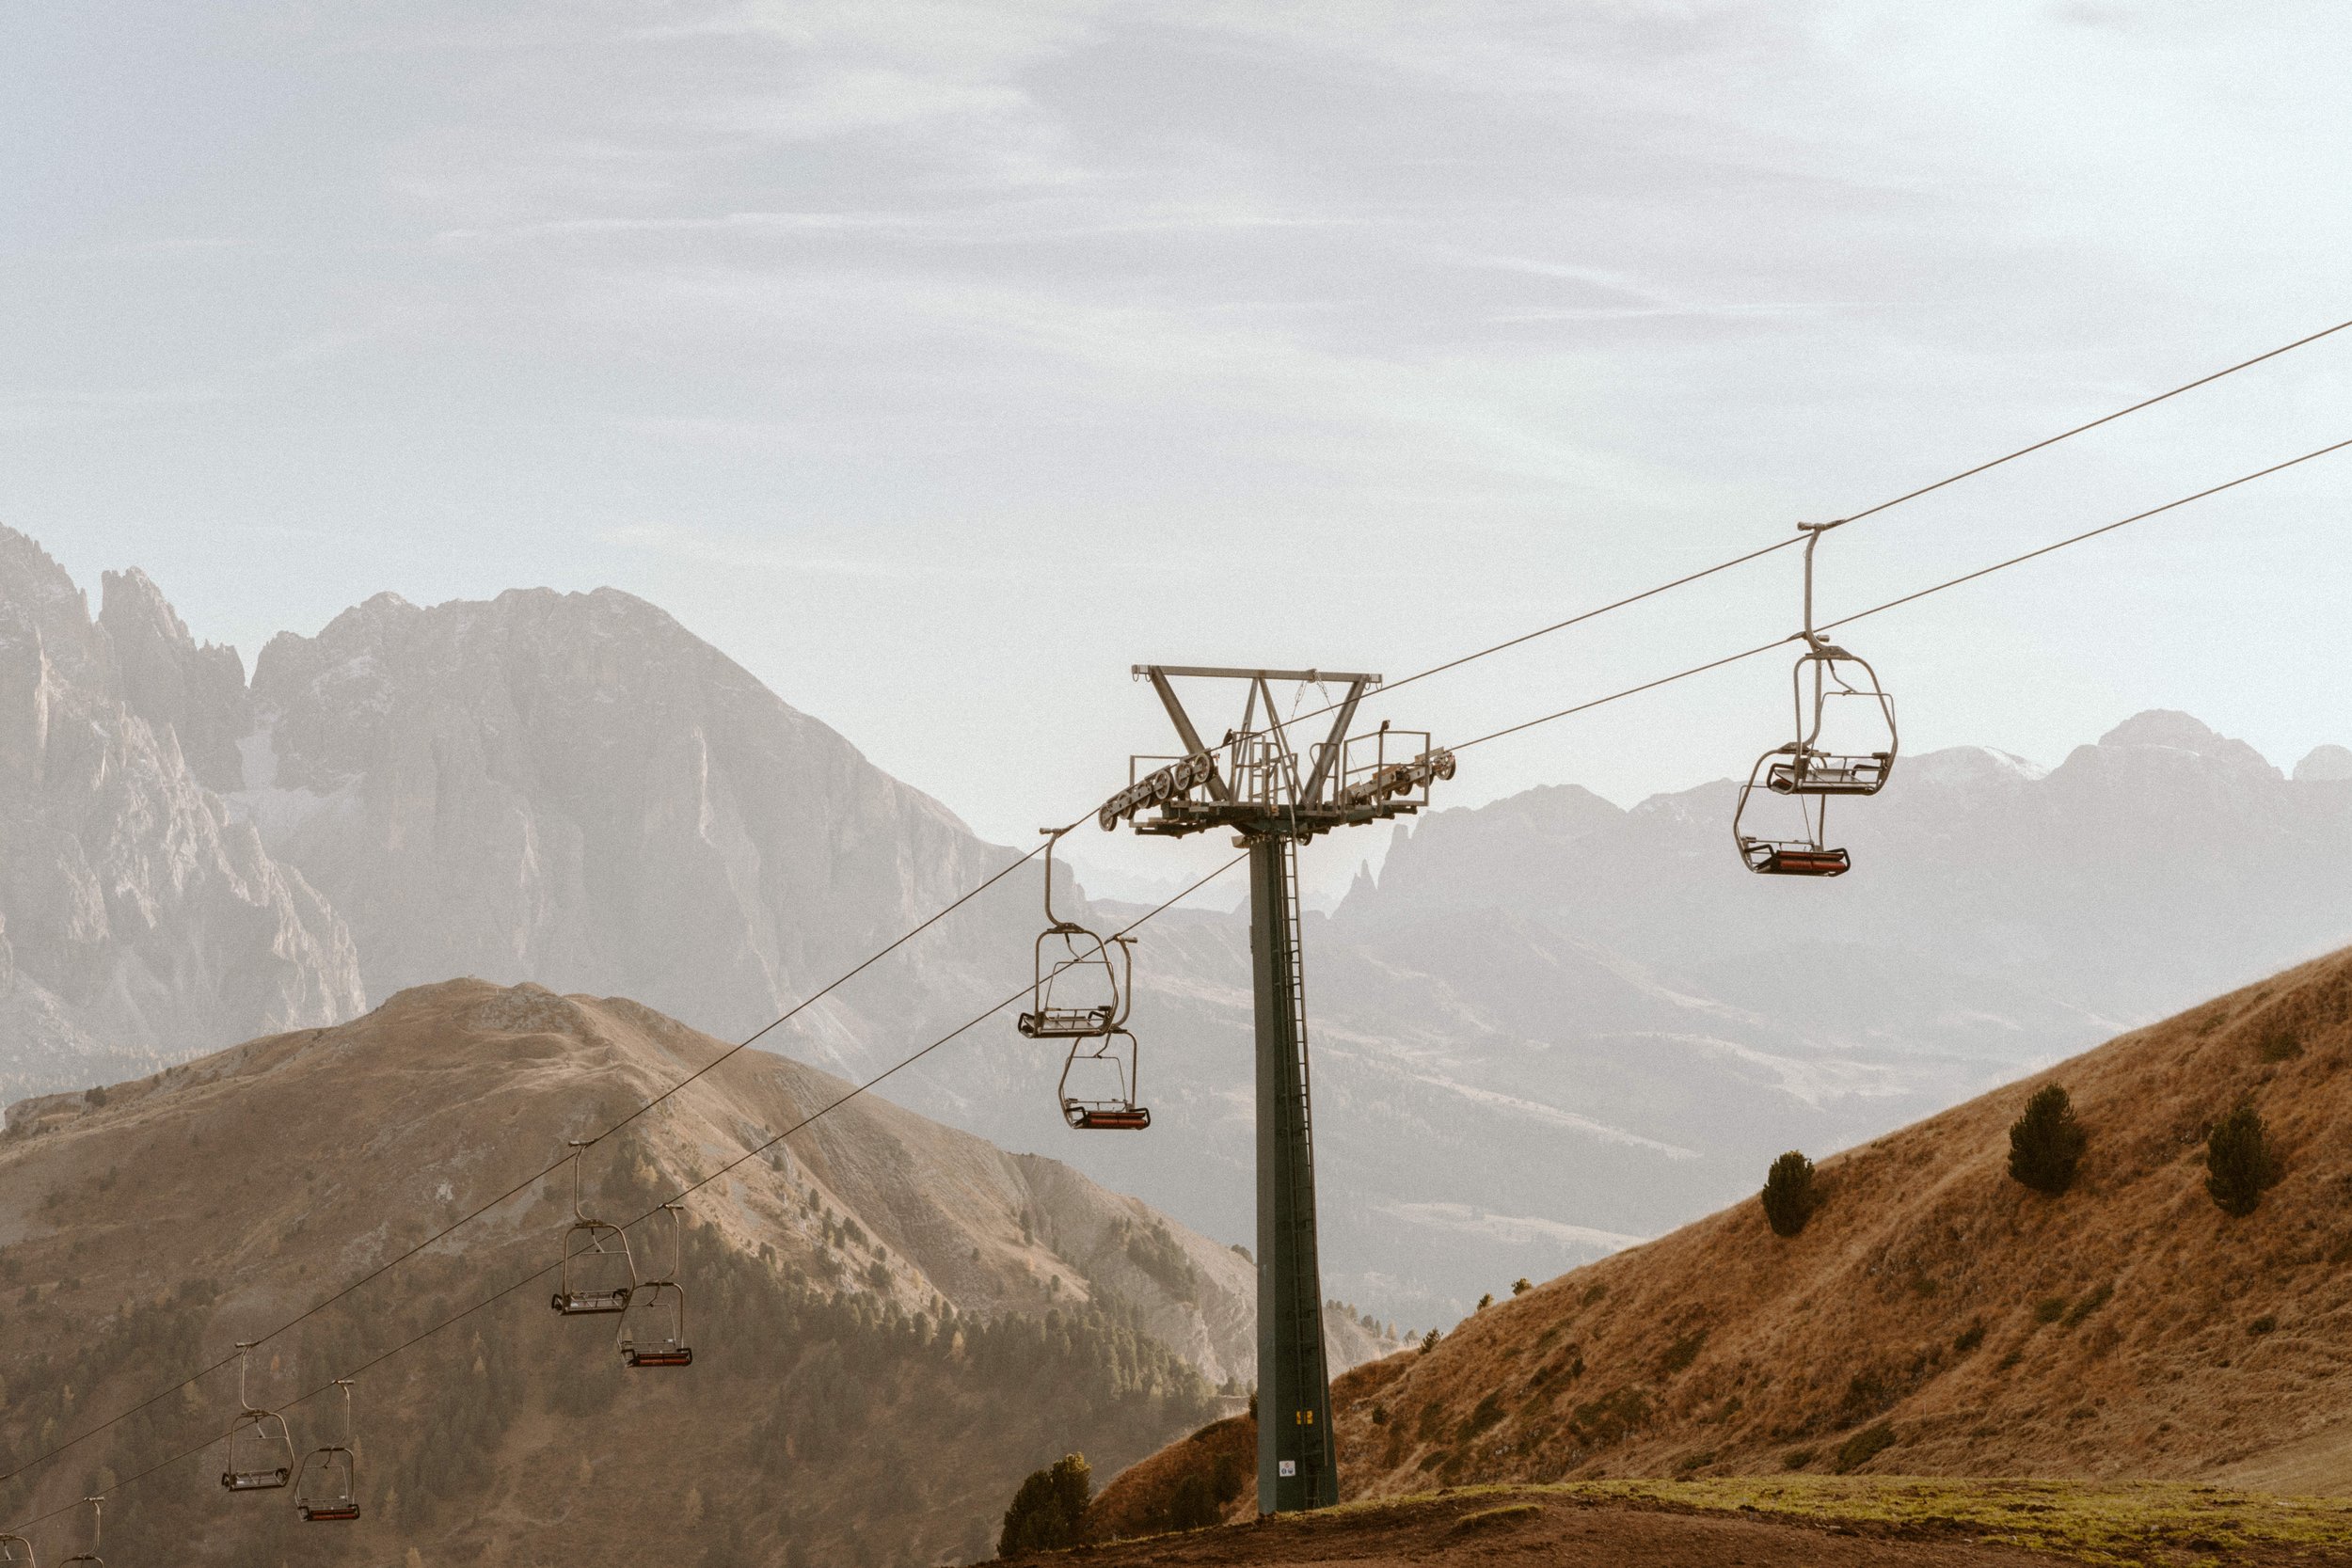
[(892, 1322), (1937, 1317)]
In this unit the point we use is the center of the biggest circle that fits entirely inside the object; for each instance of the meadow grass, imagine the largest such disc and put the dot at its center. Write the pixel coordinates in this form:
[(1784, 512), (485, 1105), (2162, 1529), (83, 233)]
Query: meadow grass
[(2115, 1525)]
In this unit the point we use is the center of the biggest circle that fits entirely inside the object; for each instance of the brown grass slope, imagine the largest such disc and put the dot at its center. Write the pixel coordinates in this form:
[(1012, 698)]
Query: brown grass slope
[(1937, 1317), (1782, 1522), (893, 1320)]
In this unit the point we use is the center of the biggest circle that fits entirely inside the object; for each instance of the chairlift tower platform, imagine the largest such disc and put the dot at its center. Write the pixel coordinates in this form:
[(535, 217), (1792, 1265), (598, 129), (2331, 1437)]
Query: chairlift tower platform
[(1254, 783)]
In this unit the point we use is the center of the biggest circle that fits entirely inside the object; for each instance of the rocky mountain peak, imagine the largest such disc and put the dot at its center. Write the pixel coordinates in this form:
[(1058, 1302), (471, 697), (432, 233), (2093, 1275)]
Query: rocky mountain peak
[(40, 607), (574, 788), (2324, 765), (142, 921), (2170, 730), (1970, 767), (167, 679)]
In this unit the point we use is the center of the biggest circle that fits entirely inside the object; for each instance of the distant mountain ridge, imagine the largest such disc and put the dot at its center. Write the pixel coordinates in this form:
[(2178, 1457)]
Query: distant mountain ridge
[(1623, 967), (1586, 1023)]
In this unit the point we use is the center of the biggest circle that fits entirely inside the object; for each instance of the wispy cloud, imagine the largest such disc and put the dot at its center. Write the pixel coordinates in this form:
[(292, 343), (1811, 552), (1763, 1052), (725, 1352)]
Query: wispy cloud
[(776, 224), (43, 408), (1519, 1229)]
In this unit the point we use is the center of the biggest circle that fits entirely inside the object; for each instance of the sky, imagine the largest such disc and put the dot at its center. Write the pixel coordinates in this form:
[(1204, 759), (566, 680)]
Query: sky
[(939, 361)]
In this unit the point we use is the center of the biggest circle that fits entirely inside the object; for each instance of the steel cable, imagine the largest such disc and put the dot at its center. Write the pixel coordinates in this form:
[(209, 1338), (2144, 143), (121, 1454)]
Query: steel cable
[(1907, 599), (1688, 579)]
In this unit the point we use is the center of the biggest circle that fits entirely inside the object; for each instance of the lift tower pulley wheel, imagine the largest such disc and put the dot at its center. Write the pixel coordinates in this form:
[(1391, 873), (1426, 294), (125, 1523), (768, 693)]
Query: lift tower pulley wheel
[(1254, 784)]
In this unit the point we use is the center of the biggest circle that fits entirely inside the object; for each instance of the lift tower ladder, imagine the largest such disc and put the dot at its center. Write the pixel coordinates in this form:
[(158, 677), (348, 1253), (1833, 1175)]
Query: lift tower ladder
[(1253, 783)]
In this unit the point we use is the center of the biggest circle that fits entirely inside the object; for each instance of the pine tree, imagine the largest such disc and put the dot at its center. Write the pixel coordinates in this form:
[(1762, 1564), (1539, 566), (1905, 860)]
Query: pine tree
[(2045, 1145), (2240, 1164), (1789, 1195), (1048, 1513)]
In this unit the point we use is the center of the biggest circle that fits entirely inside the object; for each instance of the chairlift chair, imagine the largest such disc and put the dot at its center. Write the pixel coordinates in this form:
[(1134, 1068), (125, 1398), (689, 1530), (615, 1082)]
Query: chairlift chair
[(96, 1528), (1806, 767), (326, 1487), (1833, 676), (1103, 1061), (1806, 770), (1080, 989), (653, 1327), (260, 1450), (598, 1273), (1807, 854), (16, 1552)]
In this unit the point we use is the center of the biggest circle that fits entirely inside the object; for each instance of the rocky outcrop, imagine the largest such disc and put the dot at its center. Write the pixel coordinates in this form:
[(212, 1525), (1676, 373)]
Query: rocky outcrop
[(196, 693), (140, 921), (572, 788)]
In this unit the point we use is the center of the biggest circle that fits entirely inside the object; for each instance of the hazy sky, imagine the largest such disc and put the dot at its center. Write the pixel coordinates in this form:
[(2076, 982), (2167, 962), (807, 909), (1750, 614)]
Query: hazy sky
[(939, 361)]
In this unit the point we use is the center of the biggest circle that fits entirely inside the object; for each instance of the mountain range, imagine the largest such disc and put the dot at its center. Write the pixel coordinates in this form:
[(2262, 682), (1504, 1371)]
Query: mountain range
[(1586, 1023)]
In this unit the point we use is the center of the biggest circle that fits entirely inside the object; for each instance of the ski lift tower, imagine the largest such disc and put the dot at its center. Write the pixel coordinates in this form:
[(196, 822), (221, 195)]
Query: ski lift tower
[(1255, 785)]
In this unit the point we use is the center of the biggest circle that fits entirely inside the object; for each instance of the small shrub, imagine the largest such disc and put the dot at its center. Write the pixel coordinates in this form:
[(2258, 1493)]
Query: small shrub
[(1870, 1391), (2088, 1305), (1592, 1292), (1485, 1301), (1863, 1446), (1797, 1459), (2262, 1325), (1681, 1352), (1521, 1287), (1429, 1340), (2046, 1143), (1230, 1477), (1789, 1195), (1691, 1462), (2240, 1164), (1048, 1512), (2281, 1045), (1969, 1338), (2049, 1310), (96, 1097), (1489, 1410), (1612, 1417), (1193, 1504)]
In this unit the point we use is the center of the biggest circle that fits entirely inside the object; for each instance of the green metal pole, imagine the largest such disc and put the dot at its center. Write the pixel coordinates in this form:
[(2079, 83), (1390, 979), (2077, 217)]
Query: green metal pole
[(1298, 1464)]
